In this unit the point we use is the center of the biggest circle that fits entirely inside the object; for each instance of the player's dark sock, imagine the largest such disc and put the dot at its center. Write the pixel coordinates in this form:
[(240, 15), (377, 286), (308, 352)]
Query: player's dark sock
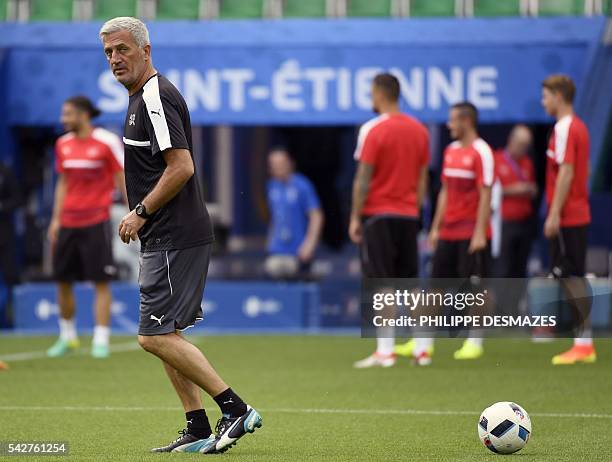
[(197, 424), (230, 403)]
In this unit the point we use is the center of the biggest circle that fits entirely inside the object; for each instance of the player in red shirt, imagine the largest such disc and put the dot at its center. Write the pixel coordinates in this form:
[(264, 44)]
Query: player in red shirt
[(89, 163), (460, 230), (515, 172), (567, 196), (389, 186)]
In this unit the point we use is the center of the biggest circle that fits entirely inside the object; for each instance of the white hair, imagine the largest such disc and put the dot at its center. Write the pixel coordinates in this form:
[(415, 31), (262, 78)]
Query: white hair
[(134, 26)]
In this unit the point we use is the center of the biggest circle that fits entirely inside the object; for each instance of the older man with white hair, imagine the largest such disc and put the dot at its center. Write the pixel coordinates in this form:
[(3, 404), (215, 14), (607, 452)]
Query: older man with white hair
[(514, 170), (515, 173), (169, 217)]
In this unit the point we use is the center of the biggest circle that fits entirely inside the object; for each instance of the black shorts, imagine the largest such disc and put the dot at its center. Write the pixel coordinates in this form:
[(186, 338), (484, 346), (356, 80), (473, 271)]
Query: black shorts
[(389, 248), (452, 260), (84, 254), (171, 288), (568, 251)]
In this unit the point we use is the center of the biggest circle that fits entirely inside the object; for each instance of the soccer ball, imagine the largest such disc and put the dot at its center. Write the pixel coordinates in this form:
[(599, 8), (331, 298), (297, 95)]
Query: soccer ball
[(504, 427)]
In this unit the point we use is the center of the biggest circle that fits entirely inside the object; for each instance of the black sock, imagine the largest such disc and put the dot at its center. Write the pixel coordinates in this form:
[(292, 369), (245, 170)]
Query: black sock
[(230, 403), (197, 424)]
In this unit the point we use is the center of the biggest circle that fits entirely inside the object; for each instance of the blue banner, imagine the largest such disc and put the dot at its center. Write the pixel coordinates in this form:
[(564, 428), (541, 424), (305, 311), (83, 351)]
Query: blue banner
[(308, 72), (258, 306), (230, 306)]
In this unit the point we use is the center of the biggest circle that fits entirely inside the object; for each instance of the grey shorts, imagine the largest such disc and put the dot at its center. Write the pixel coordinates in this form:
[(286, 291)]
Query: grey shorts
[(171, 288)]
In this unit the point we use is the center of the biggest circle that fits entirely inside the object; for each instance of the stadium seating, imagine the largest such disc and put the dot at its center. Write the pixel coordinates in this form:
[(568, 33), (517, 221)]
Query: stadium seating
[(368, 8), (492, 8), (427, 8), (178, 9), (56, 10), (77, 10), (560, 7), (241, 9), (304, 9), (106, 9)]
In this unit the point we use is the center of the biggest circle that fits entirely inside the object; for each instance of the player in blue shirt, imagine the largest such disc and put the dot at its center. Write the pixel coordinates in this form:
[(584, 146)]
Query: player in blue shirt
[(296, 218)]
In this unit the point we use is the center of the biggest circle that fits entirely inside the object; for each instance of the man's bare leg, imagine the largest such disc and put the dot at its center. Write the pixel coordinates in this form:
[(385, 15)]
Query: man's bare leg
[(67, 326), (189, 370), (186, 359), (102, 304), (65, 300), (102, 312), (189, 394), (187, 391), (578, 295)]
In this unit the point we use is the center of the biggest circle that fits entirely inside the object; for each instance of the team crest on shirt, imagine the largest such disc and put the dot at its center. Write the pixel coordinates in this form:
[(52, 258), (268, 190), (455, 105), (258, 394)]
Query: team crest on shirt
[(132, 120), (92, 152), (467, 161)]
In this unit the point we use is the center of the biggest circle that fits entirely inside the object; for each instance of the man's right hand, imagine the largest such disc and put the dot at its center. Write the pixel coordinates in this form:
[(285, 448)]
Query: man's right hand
[(53, 231), (552, 225), (432, 238), (305, 252), (356, 230)]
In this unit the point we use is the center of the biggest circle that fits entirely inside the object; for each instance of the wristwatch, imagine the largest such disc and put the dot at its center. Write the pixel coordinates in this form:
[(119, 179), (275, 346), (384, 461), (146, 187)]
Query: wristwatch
[(141, 211)]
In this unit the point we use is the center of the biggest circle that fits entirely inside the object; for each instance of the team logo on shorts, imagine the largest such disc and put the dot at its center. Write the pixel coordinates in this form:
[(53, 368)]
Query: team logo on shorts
[(132, 119)]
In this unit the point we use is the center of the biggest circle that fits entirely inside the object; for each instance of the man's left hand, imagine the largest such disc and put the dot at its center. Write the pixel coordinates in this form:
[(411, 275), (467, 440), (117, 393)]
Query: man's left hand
[(129, 227)]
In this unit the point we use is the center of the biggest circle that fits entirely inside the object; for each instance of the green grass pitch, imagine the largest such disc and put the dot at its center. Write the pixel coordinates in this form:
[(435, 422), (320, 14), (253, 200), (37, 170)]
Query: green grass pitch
[(315, 406)]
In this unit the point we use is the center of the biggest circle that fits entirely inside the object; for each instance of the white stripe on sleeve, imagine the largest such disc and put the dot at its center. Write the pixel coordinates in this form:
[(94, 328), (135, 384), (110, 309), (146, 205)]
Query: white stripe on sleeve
[(561, 136), (364, 131), (155, 110), (486, 158), (112, 141)]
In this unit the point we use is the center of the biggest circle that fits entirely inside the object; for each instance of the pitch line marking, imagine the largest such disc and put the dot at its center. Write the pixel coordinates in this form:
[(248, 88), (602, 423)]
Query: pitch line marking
[(429, 412), (30, 355), (297, 411)]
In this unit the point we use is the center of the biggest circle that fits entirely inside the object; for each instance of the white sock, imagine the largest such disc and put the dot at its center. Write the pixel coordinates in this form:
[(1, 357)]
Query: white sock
[(583, 341), (67, 329), (385, 346), (476, 341), (422, 345), (101, 335)]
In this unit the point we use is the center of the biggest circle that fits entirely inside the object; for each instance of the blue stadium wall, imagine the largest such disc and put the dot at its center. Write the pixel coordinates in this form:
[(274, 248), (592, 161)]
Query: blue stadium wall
[(306, 71)]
